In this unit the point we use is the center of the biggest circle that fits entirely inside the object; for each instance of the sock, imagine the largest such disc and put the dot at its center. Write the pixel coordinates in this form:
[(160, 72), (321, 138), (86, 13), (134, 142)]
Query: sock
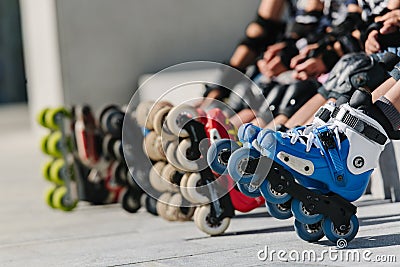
[(390, 112)]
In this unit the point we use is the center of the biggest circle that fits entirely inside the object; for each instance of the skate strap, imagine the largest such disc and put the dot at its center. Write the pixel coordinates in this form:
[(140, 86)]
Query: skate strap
[(328, 141), (362, 127)]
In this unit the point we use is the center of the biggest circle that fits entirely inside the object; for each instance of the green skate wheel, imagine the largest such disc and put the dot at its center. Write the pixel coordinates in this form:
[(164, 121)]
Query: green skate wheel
[(62, 201), (58, 171), (48, 196), (53, 117), (40, 118), (46, 170), (54, 144), (44, 144)]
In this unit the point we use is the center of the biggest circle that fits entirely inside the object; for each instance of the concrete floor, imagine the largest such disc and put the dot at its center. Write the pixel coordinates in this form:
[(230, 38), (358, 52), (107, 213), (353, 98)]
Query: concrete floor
[(31, 234)]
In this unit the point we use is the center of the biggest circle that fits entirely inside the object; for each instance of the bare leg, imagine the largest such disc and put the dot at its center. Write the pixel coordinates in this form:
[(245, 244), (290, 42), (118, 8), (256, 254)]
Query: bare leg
[(383, 89), (306, 111), (278, 120), (393, 95), (243, 116)]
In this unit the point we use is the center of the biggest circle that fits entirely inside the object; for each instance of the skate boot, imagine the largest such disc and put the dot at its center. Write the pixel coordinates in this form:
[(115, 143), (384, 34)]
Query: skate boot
[(200, 185), (72, 145), (327, 159)]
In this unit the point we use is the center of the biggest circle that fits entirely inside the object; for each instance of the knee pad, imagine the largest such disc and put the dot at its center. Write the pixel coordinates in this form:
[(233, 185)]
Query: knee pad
[(296, 95), (271, 31), (271, 103), (353, 71)]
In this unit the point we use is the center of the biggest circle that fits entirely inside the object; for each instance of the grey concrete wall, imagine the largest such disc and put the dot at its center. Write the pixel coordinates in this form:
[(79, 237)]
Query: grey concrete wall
[(107, 44)]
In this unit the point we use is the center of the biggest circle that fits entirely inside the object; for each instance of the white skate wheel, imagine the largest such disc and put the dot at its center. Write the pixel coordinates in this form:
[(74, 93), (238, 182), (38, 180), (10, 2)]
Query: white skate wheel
[(183, 188), (171, 158), (159, 119), (202, 221), (188, 165), (191, 189), (149, 146), (142, 111), (174, 116), (167, 174), (155, 179), (179, 212), (154, 110), (162, 205)]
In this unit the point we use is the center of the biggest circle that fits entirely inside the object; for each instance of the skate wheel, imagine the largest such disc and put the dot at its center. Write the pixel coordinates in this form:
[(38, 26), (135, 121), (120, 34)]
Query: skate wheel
[(204, 222), (44, 144), (40, 118), (117, 150), (142, 111), (156, 181), (119, 171), (175, 116), (163, 207), (151, 146), (187, 164), (62, 200), (301, 214), (279, 211), (248, 132), (48, 196), (159, 119), (239, 158), (172, 177), (53, 117), (170, 155), (154, 110), (219, 153), (108, 145), (177, 210), (244, 188), (309, 232), (192, 185), (46, 170), (111, 119), (333, 234), (273, 196), (130, 200), (58, 171), (183, 188), (151, 204), (55, 144)]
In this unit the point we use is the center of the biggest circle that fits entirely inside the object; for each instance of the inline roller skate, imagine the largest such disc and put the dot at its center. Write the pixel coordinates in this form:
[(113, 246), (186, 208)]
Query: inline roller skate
[(313, 173)]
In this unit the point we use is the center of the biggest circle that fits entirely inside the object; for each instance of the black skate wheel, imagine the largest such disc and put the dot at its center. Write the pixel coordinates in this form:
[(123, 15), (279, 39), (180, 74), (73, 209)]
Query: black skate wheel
[(130, 200), (151, 204)]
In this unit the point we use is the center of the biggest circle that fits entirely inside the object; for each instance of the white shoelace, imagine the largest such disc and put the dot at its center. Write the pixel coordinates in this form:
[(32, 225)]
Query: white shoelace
[(309, 134)]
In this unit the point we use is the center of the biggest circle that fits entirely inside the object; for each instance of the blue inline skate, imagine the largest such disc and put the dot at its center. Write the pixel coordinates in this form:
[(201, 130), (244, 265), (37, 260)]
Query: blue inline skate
[(312, 172)]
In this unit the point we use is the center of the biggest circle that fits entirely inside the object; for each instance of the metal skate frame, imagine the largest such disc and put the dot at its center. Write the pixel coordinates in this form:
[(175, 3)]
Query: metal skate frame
[(220, 207), (333, 206)]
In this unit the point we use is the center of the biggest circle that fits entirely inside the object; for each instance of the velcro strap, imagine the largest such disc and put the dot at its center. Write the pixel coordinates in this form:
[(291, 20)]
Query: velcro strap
[(364, 128)]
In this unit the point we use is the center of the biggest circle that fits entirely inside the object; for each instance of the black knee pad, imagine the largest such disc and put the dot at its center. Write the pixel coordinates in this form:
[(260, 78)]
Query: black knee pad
[(353, 71), (272, 102), (272, 31), (296, 96)]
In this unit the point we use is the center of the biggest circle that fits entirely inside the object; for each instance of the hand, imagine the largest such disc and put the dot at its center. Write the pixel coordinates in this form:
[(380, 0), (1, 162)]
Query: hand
[(371, 44), (311, 68), (302, 55), (273, 51), (391, 21), (273, 68)]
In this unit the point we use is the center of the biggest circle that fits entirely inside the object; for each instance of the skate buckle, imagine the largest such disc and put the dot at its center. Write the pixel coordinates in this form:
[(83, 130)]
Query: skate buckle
[(327, 139)]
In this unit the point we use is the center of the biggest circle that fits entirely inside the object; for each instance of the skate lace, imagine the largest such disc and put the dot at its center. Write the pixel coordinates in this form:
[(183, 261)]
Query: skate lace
[(307, 133)]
